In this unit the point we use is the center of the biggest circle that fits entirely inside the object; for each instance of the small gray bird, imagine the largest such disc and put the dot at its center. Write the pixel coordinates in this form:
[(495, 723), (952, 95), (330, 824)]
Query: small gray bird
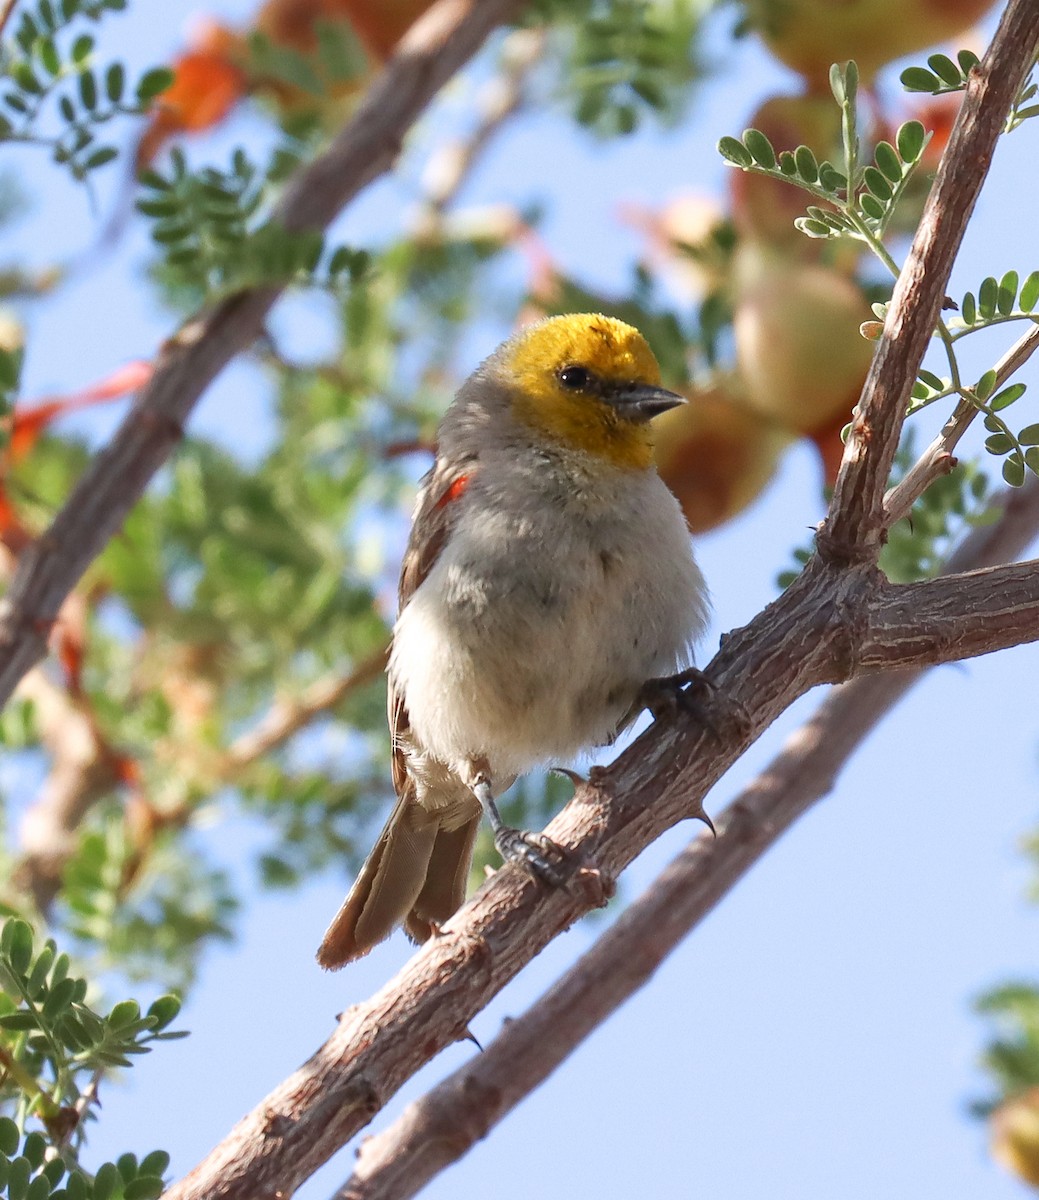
[(548, 577)]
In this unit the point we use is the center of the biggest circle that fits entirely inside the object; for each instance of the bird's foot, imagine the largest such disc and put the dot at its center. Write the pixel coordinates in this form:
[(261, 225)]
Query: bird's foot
[(539, 854), (689, 691)]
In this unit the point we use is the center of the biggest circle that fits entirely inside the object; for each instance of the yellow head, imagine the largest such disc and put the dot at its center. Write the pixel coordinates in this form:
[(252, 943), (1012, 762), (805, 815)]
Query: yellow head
[(588, 382)]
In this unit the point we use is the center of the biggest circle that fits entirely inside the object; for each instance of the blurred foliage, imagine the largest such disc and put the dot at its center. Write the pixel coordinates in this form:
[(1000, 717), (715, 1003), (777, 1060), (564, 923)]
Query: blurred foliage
[(1012, 1056), (56, 95)]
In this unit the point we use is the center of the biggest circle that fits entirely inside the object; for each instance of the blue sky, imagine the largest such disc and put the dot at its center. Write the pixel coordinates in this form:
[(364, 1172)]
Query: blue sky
[(814, 1037)]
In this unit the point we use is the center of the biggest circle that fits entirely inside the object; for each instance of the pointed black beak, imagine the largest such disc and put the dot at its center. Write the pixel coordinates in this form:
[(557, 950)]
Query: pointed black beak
[(640, 402)]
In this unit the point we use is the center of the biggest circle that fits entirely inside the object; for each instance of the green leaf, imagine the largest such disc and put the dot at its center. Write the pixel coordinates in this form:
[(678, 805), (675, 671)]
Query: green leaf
[(59, 998), (88, 90), (871, 206), (34, 1148), (911, 139), (829, 177), (156, 1164), (946, 70), (143, 1188), (49, 57), (877, 183), (999, 443), (983, 388), (1032, 459), (39, 1188), (165, 1010), (1007, 396), (988, 293), (1007, 293), (9, 1138), (844, 82), (159, 206), (1014, 470), (82, 48), (888, 161), (760, 148), (153, 83), (168, 233), (18, 1179), (99, 157), (968, 309), (919, 79), (105, 1181), (968, 60), (933, 381), (40, 971), (813, 228), (124, 1013), (127, 1166), (1029, 292), (19, 1021), (115, 82), (807, 164), (16, 945), (54, 1169), (25, 78), (76, 1186), (1029, 436)]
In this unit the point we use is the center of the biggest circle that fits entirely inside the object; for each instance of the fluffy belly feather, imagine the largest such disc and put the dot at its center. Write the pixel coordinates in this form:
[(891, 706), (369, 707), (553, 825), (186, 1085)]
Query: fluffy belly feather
[(492, 664)]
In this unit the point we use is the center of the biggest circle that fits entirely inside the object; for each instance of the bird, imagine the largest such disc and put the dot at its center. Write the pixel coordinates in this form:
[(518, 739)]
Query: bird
[(548, 589)]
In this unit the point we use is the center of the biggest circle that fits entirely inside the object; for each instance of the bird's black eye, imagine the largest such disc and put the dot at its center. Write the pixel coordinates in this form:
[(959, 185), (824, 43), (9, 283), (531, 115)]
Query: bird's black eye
[(576, 379)]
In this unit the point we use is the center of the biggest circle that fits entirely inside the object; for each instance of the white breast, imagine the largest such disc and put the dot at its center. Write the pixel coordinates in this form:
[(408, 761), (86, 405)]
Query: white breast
[(533, 632)]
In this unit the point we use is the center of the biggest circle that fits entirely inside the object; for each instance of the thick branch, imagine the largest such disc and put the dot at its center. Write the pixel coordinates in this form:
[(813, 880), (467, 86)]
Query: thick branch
[(953, 618), (854, 530), (437, 46), (442, 1125)]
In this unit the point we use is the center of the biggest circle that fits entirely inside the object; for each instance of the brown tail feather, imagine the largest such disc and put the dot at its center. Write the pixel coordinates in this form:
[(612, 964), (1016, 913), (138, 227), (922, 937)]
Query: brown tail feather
[(415, 874), (443, 893)]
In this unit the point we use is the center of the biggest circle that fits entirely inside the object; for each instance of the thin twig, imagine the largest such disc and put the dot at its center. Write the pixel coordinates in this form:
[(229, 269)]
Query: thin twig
[(501, 98), (440, 1127), (287, 717), (440, 42), (937, 459)]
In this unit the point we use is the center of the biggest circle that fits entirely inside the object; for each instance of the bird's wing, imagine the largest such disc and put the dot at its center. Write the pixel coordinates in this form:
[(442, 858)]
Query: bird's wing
[(435, 514)]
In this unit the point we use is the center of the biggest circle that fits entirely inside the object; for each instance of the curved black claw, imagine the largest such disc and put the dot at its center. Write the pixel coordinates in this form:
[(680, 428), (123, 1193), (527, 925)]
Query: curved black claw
[(690, 691), (539, 854)]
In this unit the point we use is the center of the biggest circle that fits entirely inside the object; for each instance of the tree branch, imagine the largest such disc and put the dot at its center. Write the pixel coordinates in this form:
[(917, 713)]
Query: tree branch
[(854, 529), (284, 718), (501, 98), (440, 1127), (6, 8), (952, 618), (442, 41)]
